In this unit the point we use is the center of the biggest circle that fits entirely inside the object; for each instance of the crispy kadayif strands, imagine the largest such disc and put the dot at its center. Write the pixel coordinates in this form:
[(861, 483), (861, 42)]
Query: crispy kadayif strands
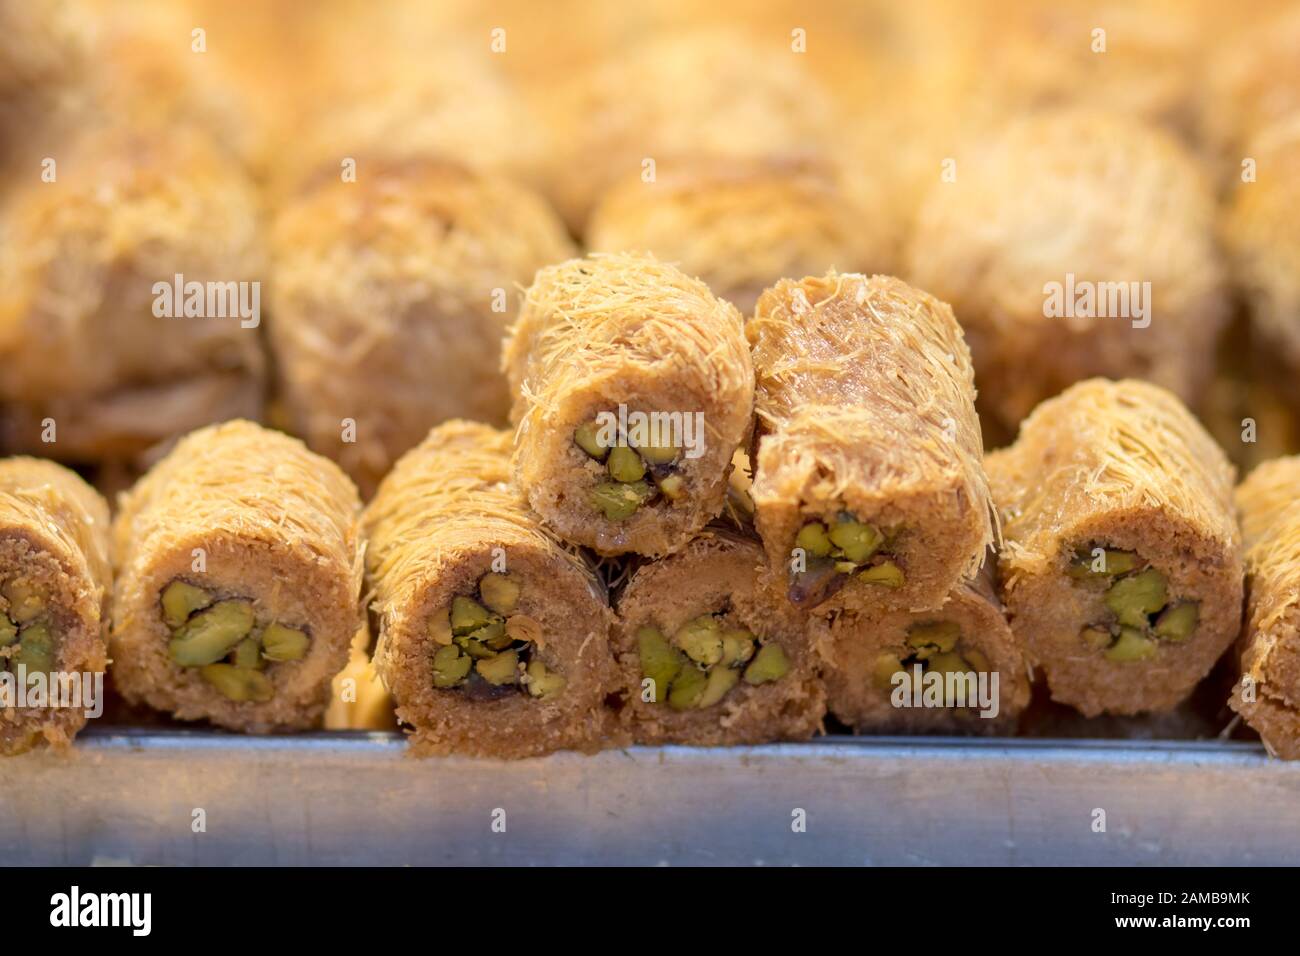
[(709, 656), (493, 637), (239, 576), (1268, 692), (633, 389), (968, 635), (869, 486), (54, 583), (1122, 569)]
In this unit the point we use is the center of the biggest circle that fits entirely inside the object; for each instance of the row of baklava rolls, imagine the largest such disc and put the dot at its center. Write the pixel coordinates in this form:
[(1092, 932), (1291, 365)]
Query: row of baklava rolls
[(855, 575), (408, 207)]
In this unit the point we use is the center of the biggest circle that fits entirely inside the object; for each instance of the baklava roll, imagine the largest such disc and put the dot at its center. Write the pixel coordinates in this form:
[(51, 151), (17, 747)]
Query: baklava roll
[(740, 226), (956, 669), (493, 636), (633, 388), (54, 583), (1121, 570), (1072, 244), (709, 656), (129, 297), (1267, 694), (391, 297), (238, 587), (869, 485)]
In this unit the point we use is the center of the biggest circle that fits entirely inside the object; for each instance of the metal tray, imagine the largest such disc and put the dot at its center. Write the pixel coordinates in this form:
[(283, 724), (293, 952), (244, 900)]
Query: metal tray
[(130, 796)]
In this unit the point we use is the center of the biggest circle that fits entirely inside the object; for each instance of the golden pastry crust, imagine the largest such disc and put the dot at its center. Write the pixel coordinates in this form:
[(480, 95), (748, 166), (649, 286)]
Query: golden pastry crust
[(1268, 693), (719, 573), (392, 294), (626, 329), (247, 514), (1090, 202), (865, 405), (54, 531), (1123, 466), (443, 519)]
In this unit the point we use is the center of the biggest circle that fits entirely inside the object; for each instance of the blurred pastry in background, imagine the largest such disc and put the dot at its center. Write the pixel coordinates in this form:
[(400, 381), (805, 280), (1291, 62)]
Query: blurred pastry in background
[(743, 225), (391, 296), (129, 296), (1075, 243), (721, 94)]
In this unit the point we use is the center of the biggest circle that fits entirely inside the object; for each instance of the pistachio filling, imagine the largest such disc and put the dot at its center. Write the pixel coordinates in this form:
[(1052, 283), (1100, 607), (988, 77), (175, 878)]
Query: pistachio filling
[(937, 646), (486, 648), (636, 475), (838, 551), (223, 639), (704, 660), (26, 630), (1139, 613)]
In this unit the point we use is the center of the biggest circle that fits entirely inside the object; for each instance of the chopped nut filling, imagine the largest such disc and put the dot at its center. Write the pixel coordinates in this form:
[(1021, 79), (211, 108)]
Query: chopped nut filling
[(704, 660), (639, 475), (936, 646), (1139, 612), (837, 552), (486, 648), (27, 635), (224, 640)]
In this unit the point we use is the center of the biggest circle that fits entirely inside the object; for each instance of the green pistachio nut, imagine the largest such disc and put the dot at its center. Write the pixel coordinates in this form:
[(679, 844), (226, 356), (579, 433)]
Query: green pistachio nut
[(701, 639), (688, 688), (721, 680), (467, 615), (543, 683), (500, 670), (499, 592), (673, 487), (858, 541), (813, 538), (211, 634), (1178, 621), (586, 437), (239, 684), (886, 574), (941, 634), (248, 654), (618, 501), (1132, 645), (737, 647), (25, 603), (35, 649), (281, 643), (450, 666), (181, 599), (884, 669), (769, 664), (1098, 638), (625, 465), (660, 661), (1133, 598)]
